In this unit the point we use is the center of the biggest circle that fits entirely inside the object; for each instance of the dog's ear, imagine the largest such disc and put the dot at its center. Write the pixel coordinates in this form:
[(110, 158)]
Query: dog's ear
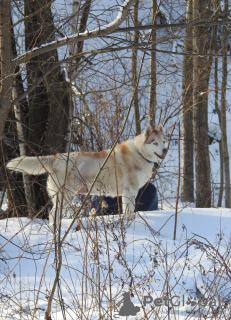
[(160, 128), (148, 132)]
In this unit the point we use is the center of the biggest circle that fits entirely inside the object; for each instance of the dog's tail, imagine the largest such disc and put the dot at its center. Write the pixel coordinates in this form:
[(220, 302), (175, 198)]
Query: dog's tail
[(32, 165)]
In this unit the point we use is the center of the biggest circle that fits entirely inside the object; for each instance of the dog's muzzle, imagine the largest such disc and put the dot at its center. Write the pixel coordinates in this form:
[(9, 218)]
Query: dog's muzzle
[(162, 156)]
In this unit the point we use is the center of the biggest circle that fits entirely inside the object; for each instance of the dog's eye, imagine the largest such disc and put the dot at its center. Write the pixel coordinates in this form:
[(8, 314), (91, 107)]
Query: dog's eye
[(164, 141), (155, 143)]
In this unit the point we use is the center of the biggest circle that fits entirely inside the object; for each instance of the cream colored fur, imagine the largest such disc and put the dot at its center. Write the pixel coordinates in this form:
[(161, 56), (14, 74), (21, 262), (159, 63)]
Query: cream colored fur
[(128, 168)]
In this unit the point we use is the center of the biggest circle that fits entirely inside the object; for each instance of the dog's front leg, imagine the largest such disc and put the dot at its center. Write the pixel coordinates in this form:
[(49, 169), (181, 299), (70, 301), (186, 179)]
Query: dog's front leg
[(128, 201), (54, 215)]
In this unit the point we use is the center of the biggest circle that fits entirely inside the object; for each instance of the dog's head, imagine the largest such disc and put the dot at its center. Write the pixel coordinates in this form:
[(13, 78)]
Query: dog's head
[(155, 143)]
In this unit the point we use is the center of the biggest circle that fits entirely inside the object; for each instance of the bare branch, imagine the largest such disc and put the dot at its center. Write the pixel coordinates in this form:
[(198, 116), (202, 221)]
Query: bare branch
[(105, 30)]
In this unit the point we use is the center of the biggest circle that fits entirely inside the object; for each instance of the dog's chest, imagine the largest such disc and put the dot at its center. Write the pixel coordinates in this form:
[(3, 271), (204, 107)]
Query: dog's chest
[(143, 175)]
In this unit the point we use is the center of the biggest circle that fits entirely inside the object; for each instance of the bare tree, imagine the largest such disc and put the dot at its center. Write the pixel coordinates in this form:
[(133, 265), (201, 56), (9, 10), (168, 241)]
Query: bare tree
[(22, 151), (82, 27), (216, 102), (13, 144), (224, 108), (200, 107), (48, 102), (74, 23), (6, 66), (187, 183), (75, 50)]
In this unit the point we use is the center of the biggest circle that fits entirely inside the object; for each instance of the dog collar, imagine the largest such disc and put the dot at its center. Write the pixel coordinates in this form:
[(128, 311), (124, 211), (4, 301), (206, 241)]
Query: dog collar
[(145, 158)]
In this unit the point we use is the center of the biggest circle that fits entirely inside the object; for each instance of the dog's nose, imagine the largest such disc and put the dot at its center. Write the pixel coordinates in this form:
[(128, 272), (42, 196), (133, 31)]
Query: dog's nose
[(164, 151)]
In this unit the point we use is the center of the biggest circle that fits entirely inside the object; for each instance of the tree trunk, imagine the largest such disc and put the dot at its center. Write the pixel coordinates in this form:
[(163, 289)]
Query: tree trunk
[(152, 93), (217, 110), (82, 27), (223, 110), (200, 108), (12, 182), (219, 204), (22, 150), (75, 49), (134, 70), (49, 101), (6, 70), (14, 192), (11, 142), (187, 183), (74, 24)]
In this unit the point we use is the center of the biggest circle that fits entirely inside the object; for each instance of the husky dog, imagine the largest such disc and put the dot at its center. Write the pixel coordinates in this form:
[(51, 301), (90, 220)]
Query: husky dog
[(128, 168)]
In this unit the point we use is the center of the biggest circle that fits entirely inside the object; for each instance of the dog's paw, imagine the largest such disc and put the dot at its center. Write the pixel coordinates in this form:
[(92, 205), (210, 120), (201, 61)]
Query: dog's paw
[(130, 216)]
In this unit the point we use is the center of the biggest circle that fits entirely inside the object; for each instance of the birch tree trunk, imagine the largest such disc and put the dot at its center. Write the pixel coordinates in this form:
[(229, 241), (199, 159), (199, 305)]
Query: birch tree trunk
[(200, 108), (10, 147), (216, 102), (187, 183), (14, 195), (22, 150)]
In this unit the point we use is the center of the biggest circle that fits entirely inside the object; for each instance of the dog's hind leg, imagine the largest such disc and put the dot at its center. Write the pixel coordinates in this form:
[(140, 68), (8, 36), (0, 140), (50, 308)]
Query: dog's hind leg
[(59, 206), (58, 196), (54, 215)]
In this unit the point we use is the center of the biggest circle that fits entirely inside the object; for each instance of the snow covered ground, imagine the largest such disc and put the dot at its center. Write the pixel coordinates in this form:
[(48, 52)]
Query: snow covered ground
[(188, 278), (109, 256)]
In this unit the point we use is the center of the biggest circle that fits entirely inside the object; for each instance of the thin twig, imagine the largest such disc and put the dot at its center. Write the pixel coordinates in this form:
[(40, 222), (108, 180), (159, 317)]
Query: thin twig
[(178, 185)]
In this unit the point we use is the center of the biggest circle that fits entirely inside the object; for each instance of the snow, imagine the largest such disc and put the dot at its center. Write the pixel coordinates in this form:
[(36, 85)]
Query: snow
[(140, 250), (215, 131), (73, 86)]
